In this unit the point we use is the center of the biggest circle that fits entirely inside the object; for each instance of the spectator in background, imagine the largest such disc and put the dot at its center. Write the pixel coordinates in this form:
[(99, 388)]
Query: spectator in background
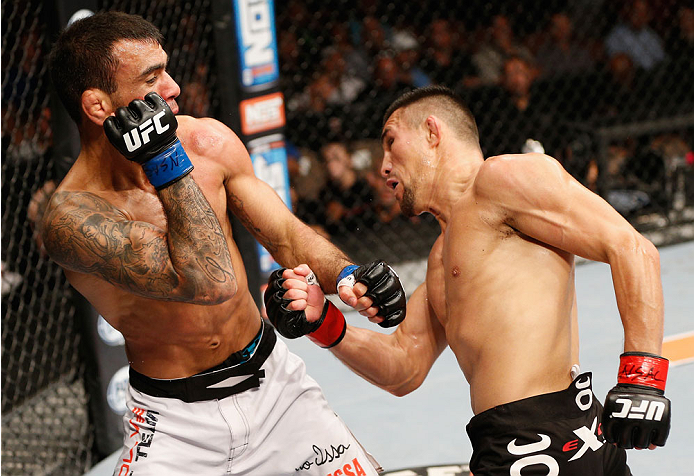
[(445, 59), (307, 177), (356, 63), (347, 84), (681, 41), (627, 94), (388, 75), (387, 84), (374, 37), (292, 62), (560, 53), (634, 37), (326, 102), (407, 56), (197, 99), (499, 45), (680, 68), (347, 197), (528, 124)]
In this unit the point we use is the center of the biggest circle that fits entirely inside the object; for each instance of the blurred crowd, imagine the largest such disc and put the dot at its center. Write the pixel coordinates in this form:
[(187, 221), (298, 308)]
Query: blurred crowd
[(559, 80)]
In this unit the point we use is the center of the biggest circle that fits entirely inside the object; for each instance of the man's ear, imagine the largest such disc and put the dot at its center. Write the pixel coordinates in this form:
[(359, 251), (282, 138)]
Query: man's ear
[(433, 130), (96, 105)]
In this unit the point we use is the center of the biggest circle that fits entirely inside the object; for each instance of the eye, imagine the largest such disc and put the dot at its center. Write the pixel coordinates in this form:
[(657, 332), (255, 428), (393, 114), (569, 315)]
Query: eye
[(152, 80)]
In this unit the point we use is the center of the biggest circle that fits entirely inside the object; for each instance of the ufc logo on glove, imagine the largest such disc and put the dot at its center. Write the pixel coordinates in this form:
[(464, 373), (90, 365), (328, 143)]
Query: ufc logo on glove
[(140, 135), (646, 410)]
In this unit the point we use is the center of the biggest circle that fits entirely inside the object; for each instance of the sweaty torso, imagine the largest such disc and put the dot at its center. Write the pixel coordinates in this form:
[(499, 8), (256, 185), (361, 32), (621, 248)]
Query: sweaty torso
[(507, 304), (166, 339)]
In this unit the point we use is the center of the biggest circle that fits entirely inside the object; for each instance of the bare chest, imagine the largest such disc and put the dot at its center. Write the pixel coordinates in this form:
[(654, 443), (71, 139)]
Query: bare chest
[(468, 254)]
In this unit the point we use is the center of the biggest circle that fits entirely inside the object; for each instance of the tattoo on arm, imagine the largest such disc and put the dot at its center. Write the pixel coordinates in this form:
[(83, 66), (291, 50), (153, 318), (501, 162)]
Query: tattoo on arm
[(195, 230), (85, 233)]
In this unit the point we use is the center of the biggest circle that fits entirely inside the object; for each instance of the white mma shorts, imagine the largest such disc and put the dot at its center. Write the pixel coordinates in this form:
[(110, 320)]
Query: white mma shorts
[(264, 416)]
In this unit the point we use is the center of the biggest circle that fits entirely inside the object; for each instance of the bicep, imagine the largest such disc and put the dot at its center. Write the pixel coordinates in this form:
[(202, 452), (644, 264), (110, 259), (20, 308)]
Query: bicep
[(421, 334), (260, 209), (88, 235)]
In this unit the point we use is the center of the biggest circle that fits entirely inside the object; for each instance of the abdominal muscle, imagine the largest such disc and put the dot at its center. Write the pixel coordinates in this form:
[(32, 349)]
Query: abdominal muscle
[(502, 365), (511, 323), (166, 339)]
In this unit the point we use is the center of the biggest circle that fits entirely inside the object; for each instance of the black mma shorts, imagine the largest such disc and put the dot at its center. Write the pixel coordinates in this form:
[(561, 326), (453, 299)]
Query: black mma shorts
[(555, 434)]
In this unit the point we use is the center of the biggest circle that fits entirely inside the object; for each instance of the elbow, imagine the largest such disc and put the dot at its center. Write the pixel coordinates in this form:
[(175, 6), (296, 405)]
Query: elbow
[(650, 251), (647, 252), (400, 391), (221, 293), (406, 387), (636, 248), (210, 295)]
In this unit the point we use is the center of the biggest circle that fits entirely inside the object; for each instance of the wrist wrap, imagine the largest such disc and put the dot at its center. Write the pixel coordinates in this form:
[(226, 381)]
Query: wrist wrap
[(168, 166), (332, 327), (346, 276), (641, 368)]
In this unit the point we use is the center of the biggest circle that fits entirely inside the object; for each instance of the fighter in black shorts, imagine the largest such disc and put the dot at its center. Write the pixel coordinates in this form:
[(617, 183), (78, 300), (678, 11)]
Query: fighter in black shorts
[(500, 292)]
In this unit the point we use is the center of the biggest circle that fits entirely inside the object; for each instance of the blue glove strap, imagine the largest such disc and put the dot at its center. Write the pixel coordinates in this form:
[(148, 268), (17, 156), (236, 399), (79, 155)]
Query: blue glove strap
[(168, 167), (347, 270)]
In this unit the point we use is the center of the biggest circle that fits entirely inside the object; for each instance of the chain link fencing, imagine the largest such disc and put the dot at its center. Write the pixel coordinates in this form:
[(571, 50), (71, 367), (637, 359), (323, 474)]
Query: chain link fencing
[(604, 87), (45, 424), (554, 77)]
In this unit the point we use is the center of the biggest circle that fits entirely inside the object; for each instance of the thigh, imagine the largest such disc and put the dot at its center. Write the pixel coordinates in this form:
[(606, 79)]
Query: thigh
[(293, 430), (168, 436)]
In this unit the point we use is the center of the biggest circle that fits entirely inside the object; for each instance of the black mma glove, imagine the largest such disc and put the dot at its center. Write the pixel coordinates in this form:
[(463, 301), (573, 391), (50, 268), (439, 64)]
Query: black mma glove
[(327, 331), (383, 287), (145, 132), (636, 412)]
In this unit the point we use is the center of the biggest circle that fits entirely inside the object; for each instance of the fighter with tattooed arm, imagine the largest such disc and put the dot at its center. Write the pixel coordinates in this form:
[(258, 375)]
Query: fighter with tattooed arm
[(141, 227)]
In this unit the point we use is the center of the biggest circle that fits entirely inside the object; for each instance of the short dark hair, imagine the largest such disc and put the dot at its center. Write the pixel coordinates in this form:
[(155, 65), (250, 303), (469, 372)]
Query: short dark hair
[(82, 57), (456, 111)]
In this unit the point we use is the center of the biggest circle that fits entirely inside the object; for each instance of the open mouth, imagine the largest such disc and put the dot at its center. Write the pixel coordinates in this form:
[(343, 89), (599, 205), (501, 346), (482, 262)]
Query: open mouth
[(392, 183)]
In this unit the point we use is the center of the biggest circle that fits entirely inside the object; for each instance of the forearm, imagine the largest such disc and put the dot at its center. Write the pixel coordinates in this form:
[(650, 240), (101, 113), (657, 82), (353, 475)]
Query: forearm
[(196, 243), (380, 359), (638, 289), (305, 245)]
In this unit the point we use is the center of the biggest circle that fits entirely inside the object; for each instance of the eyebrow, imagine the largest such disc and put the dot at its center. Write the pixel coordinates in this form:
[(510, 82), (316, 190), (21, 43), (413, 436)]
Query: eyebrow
[(152, 69), (384, 133)]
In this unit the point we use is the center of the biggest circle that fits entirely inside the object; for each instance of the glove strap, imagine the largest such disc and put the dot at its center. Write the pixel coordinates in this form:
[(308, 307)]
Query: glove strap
[(332, 328), (168, 167), (640, 368), (346, 276)]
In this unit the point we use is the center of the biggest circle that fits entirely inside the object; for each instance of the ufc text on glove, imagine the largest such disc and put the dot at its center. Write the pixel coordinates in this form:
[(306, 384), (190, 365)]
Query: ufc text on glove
[(145, 132)]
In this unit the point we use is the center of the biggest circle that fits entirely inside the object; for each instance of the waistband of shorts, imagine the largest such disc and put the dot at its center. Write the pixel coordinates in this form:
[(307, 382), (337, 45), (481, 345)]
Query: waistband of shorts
[(561, 405), (239, 372)]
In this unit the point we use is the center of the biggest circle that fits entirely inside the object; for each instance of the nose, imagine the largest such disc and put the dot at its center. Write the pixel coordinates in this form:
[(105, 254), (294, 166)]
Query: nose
[(385, 166), (170, 88)]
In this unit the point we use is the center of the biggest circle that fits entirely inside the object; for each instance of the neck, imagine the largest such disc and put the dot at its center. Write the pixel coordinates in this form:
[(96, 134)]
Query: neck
[(450, 181), (106, 165)]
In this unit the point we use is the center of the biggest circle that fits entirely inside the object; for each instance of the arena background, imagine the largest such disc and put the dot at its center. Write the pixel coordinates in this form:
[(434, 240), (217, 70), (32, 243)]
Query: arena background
[(622, 129)]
